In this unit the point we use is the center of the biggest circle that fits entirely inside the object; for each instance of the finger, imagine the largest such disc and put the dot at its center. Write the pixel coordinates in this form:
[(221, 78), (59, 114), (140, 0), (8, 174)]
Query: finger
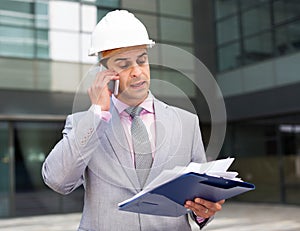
[(221, 202), (210, 205), (199, 210), (102, 78)]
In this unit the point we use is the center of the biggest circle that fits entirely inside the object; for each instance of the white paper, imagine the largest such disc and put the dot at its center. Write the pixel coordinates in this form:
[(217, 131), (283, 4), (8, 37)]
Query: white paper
[(216, 168)]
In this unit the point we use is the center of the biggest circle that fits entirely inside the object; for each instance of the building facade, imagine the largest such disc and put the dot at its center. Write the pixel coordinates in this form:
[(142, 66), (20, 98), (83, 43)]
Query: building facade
[(257, 47), (251, 47)]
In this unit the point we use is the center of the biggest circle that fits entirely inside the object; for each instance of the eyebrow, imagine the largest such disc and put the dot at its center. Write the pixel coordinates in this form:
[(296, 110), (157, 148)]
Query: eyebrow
[(123, 59)]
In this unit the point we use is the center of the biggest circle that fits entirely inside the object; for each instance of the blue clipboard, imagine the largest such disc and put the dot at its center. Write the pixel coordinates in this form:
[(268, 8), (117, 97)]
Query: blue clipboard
[(168, 199)]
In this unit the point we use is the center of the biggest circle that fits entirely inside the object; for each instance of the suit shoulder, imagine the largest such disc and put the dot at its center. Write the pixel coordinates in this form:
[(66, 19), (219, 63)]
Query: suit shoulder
[(177, 110)]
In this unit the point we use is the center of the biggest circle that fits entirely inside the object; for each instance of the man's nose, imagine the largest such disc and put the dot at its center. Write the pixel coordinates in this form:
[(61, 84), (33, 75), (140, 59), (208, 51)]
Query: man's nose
[(136, 71)]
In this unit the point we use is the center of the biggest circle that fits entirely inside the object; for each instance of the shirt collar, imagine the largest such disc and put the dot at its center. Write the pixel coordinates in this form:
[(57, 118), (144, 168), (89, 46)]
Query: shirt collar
[(147, 104)]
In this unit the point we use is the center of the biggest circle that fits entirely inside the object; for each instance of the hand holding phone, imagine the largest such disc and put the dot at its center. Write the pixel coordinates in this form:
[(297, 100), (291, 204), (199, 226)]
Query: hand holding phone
[(105, 83), (113, 85)]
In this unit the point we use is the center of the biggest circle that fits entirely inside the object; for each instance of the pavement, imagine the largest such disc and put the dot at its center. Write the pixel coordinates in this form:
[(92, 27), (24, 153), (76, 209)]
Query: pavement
[(234, 216)]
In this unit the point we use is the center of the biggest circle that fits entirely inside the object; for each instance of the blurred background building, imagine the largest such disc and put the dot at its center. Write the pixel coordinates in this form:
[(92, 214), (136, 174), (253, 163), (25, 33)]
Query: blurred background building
[(251, 47)]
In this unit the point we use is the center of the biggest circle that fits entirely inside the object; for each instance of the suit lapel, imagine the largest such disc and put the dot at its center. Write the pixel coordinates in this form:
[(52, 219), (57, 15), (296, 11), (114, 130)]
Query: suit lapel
[(163, 134), (118, 141), (116, 136)]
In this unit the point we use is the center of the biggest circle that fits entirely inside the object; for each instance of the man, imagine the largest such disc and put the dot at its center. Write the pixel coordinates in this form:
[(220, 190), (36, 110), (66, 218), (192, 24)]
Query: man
[(100, 149)]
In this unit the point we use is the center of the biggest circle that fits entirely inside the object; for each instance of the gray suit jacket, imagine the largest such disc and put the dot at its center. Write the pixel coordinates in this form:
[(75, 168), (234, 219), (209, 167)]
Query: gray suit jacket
[(95, 153)]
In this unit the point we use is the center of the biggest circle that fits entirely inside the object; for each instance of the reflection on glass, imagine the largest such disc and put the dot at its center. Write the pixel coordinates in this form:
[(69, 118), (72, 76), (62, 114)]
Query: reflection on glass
[(256, 20), (229, 56), (288, 38), (18, 13), (41, 14), (227, 30), (18, 42), (42, 44), (258, 48)]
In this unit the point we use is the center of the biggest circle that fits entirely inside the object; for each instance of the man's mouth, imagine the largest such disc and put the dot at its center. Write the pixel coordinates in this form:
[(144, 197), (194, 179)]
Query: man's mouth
[(138, 84)]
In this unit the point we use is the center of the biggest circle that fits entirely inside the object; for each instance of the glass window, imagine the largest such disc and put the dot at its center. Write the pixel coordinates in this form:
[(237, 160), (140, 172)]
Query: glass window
[(144, 5), (41, 14), (64, 46), (17, 74), (176, 7), (188, 48), (290, 138), (64, 15), (17, 5), (227, 30), (285, 10), (85, 45), (247, 4), (88, 18), (176, 30), (288, 38), (250, 145), (42, 44), (16, 13), (260, 146), (256, 20), (229, 56), (108, 3), (42, 75), (224, 8), (170, 83), (258, 48), (17, 42), (150, 22), (101, 13)]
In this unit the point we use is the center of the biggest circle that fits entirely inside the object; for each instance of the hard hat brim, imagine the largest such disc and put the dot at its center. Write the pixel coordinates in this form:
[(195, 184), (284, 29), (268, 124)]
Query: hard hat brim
[(96, 52)]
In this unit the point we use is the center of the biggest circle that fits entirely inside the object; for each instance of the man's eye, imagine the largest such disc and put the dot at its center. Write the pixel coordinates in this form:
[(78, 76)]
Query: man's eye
[(142, 60), (124, 65)]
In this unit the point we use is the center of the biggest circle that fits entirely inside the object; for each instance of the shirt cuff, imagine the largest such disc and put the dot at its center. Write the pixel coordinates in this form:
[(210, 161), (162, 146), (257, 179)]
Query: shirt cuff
[(96, 109), (200, 219)]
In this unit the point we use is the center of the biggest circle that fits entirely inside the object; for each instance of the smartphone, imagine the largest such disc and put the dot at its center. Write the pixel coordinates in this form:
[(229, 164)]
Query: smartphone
[(113, 85)]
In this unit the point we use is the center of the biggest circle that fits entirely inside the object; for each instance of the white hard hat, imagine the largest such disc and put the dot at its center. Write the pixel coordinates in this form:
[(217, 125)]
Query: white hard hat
[(118, 29)]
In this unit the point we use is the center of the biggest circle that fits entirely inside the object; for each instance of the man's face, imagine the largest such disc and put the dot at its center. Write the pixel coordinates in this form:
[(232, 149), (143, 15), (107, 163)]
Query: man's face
[(134, 72)]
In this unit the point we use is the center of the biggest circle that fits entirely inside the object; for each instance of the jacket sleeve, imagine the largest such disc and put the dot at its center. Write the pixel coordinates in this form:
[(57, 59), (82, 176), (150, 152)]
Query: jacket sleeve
[(198, 152), (63, 169)]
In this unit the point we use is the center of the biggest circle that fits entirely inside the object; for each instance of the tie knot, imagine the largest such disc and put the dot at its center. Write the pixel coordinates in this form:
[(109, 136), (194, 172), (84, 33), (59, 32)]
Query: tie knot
[(134, 111)]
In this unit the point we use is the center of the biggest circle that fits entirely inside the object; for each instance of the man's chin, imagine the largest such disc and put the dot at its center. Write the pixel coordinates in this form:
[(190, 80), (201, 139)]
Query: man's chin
[(133, 96)]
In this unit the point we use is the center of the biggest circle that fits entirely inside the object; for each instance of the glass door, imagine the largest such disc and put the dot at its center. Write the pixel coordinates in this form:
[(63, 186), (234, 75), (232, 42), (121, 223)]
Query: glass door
[(33, 141), (5, 170)]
